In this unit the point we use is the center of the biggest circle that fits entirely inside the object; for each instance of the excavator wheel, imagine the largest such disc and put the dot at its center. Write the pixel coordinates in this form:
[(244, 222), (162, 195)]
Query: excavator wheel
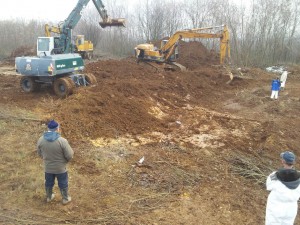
[(72, 84), (90, 79), (63, 87), (28, 84)]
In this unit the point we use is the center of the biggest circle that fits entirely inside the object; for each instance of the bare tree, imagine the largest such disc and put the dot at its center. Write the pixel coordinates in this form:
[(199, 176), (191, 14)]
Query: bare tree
[(198, 11), (19, 33), (175, 17)]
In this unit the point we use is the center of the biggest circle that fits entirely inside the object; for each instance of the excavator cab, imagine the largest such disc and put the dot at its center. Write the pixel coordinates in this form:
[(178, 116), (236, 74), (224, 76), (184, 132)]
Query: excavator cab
[(48, 46)]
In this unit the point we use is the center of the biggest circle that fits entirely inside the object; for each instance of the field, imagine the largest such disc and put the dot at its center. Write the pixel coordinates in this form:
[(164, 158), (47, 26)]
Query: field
[(208, 144)]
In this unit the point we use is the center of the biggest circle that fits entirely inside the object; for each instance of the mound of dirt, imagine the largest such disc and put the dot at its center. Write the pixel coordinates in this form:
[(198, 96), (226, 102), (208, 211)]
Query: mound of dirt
[(193, 55), (133, 99)]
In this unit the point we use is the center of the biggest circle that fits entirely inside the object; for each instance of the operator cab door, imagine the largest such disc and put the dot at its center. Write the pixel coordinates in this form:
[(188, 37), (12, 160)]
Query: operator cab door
[(45, 46)]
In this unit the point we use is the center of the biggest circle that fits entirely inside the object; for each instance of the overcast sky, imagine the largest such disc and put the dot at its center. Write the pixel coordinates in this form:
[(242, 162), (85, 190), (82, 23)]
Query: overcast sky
[(40, 9), (35, 9), (49, 10)]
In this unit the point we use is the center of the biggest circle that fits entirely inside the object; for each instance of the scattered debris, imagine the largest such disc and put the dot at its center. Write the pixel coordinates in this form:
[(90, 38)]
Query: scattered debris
[(276, 69)]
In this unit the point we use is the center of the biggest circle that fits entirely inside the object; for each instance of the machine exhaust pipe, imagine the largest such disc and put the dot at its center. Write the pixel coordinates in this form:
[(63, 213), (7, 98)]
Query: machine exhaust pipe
[(120, 22)]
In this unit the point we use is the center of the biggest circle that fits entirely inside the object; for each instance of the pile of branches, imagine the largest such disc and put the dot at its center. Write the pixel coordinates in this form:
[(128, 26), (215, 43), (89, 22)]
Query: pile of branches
[(250, 167)]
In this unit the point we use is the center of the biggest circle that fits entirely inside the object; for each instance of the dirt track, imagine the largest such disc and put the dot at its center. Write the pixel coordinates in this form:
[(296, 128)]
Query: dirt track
[(196, 132)]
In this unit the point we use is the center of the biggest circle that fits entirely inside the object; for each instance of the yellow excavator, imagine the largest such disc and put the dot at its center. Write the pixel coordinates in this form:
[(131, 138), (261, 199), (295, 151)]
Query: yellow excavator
[(168, 52)]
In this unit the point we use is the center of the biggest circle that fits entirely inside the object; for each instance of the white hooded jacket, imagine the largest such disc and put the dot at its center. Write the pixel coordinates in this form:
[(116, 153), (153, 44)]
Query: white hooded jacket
[(283, 78), (282, 204)]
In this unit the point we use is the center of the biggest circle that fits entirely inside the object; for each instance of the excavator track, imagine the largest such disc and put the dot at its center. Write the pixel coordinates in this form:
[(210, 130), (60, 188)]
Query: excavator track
[(165, 67), (158, 67)]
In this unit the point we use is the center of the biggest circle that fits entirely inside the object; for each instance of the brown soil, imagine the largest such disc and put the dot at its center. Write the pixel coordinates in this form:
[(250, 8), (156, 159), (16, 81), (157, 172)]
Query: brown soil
[(194, 55), (208, 144)]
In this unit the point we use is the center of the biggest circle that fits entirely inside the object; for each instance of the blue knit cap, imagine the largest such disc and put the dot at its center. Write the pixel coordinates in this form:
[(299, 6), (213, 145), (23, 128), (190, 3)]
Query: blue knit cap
[(53, 125), (288, 157)]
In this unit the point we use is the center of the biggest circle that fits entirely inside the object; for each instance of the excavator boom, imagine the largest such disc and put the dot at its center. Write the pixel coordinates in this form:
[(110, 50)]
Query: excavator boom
[(65, 28), (223, 35)]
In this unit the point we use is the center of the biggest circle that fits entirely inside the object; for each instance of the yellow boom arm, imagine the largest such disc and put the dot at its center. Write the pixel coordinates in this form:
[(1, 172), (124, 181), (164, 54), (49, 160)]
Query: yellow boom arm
[(167, 49)]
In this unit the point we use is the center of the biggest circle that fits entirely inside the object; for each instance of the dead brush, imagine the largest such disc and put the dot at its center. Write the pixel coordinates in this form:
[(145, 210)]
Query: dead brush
[(250, 167)]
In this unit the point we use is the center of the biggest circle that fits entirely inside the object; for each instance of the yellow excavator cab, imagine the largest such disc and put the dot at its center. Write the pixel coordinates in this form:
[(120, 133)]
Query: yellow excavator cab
[(83, 45)]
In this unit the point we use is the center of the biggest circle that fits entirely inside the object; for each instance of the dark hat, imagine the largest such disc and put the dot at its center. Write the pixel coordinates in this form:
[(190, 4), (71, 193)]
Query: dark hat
[(53, 125), (288, 157)]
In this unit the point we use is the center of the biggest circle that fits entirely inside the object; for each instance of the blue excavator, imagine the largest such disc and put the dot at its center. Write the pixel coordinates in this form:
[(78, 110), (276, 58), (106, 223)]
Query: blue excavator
[(58, 62)]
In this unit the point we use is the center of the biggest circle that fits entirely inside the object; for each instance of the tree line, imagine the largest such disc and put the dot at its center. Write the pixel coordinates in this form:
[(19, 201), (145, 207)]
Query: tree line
[(263, 32)]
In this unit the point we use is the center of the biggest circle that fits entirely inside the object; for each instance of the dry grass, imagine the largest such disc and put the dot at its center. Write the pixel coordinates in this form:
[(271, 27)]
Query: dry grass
[(104, 184)]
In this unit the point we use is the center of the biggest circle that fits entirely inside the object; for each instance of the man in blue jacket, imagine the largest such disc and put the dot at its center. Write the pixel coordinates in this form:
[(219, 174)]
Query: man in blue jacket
[(56, 153), (275, 88)]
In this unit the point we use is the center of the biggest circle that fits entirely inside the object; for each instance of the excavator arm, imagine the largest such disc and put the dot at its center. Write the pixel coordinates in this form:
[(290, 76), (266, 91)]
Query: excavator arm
[(106, 20), (168, 49), (65, 29), (148, 53)]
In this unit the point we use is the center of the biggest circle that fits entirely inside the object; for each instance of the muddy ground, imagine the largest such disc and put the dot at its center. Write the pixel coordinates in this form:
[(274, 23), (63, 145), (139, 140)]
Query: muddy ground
[(208, 144)]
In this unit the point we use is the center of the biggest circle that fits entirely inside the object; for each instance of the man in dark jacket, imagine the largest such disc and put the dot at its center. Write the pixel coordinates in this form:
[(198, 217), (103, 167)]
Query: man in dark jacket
[(56, 153)]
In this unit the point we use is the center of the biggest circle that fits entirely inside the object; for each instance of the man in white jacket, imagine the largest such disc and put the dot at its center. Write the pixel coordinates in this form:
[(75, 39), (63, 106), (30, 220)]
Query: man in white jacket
[(283, 79), (284, 184)]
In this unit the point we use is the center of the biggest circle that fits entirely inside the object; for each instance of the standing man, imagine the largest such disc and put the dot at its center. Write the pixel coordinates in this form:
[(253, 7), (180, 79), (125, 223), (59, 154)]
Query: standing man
[(283, 79), (282, 204), (56, 153), (275, 88)]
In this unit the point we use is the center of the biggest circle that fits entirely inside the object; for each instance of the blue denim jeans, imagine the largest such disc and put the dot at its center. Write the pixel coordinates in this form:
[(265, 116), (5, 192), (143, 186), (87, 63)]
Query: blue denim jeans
[(62, 180)]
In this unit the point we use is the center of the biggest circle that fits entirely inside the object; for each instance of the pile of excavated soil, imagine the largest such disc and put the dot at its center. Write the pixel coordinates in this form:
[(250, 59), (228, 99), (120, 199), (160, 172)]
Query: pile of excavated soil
[(193, 55), (133, 99)]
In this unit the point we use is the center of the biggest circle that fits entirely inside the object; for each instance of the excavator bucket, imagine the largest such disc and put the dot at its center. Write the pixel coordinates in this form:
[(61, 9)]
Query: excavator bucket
[(113, 23)]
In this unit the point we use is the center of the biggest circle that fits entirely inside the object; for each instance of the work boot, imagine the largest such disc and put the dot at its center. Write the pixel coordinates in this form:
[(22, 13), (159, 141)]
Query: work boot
[(49, 194), (65, 196)]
